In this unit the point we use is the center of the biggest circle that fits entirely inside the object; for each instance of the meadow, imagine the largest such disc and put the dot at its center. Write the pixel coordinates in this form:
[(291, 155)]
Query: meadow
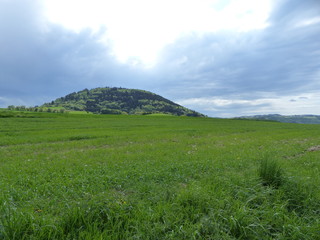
[(78, 176)]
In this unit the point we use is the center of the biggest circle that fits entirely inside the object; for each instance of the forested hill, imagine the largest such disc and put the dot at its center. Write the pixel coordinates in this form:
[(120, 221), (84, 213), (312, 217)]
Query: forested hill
[(119, 101)]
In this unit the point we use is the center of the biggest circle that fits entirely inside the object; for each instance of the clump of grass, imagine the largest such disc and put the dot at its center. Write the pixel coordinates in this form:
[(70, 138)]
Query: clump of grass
[(271, 173)]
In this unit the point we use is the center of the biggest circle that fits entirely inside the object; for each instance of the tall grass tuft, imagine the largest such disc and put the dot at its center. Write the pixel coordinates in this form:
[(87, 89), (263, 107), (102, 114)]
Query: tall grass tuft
[(271, 173)]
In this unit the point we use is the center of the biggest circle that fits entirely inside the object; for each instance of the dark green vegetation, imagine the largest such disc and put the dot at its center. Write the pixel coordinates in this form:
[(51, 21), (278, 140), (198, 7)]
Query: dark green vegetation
[(305, 119), (271, 173), (119, 101), (67, 176)]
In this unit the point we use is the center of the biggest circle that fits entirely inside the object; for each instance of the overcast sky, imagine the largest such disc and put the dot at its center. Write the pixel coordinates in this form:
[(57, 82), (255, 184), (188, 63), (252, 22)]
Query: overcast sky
[(223, 58)]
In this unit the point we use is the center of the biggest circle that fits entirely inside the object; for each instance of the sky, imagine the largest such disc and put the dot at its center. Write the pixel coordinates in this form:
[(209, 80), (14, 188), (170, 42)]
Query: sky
[(223, 58)]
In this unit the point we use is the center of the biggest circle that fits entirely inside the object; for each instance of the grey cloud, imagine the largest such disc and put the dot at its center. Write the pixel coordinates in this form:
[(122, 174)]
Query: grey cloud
[(40, 61), (281, 59), (290, 12)]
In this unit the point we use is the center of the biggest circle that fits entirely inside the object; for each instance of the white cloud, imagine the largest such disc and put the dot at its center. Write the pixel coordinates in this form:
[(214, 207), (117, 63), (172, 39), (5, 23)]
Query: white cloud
[(308, 22), (286, 105), (141, 28)]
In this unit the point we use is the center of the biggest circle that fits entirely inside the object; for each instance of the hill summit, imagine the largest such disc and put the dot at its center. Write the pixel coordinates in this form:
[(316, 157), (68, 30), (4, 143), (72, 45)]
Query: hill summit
[(120, 101)]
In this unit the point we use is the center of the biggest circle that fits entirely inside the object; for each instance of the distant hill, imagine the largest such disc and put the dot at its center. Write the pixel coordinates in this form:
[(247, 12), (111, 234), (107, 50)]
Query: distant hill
[(306, 119), (119, 101)]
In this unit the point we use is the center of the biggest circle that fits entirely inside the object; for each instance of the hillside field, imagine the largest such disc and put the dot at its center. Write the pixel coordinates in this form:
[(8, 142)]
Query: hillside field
[(88, 176)]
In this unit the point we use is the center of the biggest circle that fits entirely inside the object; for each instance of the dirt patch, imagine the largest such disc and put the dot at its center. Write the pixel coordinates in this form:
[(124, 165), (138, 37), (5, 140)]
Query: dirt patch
[(314, 148), (310, 149)]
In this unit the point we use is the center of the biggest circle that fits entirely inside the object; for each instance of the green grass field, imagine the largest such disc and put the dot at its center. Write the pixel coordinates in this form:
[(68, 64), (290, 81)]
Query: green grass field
[(70, 176)]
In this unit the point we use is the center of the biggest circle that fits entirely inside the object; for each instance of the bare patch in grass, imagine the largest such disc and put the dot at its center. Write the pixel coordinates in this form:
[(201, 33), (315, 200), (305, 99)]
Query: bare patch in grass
[(310, 149), (314, 148)]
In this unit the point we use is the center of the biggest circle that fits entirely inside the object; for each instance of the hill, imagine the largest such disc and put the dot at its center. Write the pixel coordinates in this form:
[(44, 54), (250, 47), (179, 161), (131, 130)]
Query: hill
[(120, 101), (305, 119)]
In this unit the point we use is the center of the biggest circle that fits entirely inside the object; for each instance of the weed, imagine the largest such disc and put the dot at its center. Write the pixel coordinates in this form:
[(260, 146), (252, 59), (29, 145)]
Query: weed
[(271, 173)]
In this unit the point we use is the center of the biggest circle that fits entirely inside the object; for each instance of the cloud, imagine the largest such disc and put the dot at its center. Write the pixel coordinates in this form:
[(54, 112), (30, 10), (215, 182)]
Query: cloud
[(281, 60), (40, 61), (141, 28), (288, 13), (269, 104)]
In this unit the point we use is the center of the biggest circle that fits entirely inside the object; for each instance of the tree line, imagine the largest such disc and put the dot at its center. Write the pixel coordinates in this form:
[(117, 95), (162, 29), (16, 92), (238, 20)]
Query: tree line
[(35, 109)]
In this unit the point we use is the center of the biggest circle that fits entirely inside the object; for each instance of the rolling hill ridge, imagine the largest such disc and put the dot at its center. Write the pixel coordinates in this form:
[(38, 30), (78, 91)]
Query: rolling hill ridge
[(304, 119), (120, 101)]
